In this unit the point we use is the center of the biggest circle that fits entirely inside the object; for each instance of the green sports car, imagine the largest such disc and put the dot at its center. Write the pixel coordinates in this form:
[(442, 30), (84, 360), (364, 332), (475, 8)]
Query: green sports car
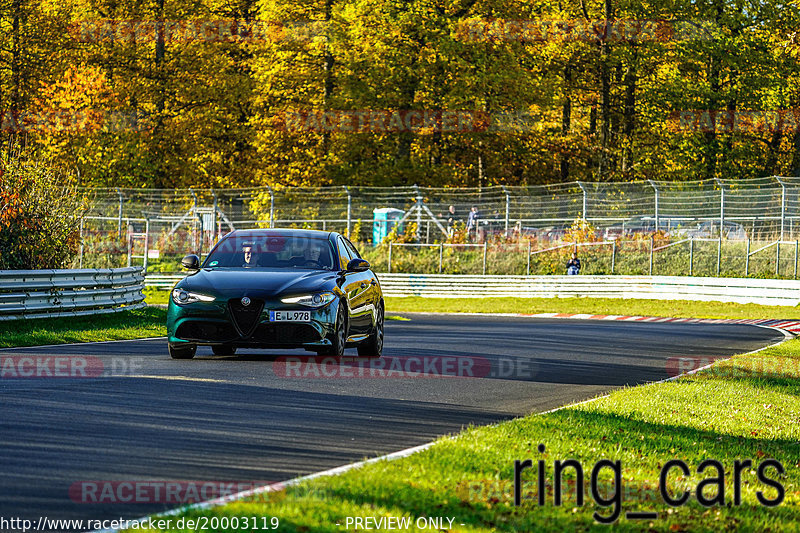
[(277, 288)]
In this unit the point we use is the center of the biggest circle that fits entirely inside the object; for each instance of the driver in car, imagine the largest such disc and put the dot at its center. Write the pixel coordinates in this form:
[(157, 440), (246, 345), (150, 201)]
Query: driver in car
[(249, 257), (311, 256)]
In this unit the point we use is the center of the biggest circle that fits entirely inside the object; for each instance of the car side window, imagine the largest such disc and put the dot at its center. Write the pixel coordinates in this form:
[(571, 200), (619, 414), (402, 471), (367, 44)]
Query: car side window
[(352, 249), (344, 254)]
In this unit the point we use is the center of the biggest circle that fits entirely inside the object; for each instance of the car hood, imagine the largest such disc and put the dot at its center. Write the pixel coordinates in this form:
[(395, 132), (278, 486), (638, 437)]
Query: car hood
[(263, 283)]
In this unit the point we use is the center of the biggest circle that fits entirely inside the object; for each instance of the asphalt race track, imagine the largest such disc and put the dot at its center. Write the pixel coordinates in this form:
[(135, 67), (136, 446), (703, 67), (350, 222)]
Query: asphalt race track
[(240, 419)]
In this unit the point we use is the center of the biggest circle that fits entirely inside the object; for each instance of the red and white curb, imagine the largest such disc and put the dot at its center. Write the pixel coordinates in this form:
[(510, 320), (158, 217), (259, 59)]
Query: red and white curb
[(792, 326)]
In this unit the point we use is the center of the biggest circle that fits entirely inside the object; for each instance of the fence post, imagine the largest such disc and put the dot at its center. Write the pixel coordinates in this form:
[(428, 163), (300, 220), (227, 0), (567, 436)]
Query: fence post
[(613, 255), (349, 208), (529, 257), (80, 260), (655, 189), (783, 204), (747, 259), (485, 248), (194, 221), (721, 207), (583, 212), (508, 206), (691, 255), (130, 241), (390, 258), (271, 207), (719, 251), (778, 259), (214, 219), (419, 212), (441, 256), (119, 216), (651, 254), (795, 258), (146, 242)]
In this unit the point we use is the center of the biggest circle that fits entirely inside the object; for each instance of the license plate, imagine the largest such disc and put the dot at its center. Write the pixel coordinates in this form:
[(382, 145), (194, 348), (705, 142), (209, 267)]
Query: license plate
[(290, 316)]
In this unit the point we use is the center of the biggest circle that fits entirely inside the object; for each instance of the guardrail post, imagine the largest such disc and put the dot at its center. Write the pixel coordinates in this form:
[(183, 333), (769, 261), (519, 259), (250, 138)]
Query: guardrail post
[(719, 251), (691, 255), (441, 257), (778, 259), (529, 258), (389, 268), (613, 255), (747, 259), (651, 254), (485, 248)]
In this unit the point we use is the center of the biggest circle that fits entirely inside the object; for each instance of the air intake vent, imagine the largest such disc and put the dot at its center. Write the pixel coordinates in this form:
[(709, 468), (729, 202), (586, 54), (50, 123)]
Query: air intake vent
[(245, 317)]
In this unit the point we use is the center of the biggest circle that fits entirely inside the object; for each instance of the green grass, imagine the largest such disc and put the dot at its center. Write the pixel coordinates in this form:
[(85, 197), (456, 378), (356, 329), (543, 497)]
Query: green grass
[(135, 324), (598, 306), (743, 408)]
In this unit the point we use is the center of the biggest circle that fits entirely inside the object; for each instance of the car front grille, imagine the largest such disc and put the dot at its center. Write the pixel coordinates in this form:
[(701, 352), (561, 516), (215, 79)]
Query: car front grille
[(287, 333), (195, 330), (245, 318)]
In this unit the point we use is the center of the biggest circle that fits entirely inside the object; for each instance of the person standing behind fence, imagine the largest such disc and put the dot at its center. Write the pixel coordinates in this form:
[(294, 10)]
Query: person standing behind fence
[(574, 265), (472, 220)]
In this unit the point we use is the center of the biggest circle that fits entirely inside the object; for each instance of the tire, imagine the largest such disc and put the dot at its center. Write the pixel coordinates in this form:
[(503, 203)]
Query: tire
[(373, 346), (224, 349), (184, 352), (339, 337)]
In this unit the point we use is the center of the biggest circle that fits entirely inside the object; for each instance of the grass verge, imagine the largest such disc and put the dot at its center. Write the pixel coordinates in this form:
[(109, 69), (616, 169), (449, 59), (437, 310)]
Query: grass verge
[(135, 324), (742, 408), (596, 306)]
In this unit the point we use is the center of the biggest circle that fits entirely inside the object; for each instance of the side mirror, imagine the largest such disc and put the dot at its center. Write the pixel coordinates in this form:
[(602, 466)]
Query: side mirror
[(358, 265), (191, 262)]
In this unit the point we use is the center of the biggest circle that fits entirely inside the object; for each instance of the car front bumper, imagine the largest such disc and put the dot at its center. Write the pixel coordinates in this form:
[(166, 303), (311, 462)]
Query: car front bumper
[(214, 323)]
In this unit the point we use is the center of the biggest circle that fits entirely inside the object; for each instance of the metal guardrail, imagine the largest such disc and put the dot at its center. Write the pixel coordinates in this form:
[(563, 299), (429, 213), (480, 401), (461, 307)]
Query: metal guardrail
[(738, 290), (57, 293)]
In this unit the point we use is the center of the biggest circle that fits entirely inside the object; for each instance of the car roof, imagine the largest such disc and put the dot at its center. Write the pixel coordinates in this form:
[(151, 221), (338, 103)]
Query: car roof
[(265, 232)]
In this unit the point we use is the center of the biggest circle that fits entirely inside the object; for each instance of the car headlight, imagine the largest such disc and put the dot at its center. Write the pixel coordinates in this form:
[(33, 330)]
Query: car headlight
[(311, 300), (182, 297)]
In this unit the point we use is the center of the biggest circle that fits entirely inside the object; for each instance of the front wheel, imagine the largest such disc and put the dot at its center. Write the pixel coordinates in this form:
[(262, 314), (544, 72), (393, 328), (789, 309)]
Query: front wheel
[(373, 346), (339, 337), (182, 352)]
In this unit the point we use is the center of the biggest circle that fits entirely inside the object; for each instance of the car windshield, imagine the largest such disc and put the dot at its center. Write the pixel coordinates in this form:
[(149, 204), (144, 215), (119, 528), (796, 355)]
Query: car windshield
[(270, 251)]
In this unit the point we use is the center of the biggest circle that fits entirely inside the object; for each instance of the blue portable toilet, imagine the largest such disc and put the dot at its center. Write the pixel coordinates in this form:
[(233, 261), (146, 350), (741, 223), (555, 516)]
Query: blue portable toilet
[(384, 220)]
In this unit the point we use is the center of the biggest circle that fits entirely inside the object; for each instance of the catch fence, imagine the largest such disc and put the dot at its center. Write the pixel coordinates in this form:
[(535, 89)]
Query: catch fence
[(154, 228)]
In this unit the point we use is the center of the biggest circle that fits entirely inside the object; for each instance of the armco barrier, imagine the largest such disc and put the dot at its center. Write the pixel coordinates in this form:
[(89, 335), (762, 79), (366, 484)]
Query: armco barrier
[(739, 290), (54, 293)]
